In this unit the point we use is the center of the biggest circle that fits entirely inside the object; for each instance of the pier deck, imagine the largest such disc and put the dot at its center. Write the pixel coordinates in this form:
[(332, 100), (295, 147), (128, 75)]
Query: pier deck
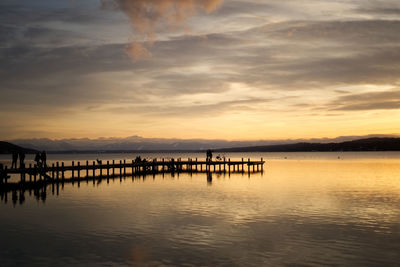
[(77, 171)]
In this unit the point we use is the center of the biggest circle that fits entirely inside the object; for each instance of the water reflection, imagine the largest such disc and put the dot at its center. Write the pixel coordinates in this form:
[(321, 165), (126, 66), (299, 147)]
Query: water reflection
[(18, 196), (297, 213), (209, 178), (39, 189)]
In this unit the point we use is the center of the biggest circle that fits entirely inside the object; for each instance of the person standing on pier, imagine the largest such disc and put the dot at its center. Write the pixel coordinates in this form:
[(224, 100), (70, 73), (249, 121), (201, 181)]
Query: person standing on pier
[(14, 159), (209, 155), (21, 160), (1, 173), (43, 157), (37, 159)]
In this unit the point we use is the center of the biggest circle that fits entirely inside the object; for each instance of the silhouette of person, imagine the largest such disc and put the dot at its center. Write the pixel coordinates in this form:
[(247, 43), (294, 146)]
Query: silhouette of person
[(172, 165), (21, 159), (1, 173), (43, 158), (209, 155), (37, 159), (14, 159)]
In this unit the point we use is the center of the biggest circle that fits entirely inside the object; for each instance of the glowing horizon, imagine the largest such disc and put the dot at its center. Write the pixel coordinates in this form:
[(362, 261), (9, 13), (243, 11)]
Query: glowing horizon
[(209, 69)]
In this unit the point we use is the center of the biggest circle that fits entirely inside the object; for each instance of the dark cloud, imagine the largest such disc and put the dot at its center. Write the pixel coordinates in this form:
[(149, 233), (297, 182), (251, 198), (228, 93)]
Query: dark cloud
[(368, 101), (229, 57), (379, 7)]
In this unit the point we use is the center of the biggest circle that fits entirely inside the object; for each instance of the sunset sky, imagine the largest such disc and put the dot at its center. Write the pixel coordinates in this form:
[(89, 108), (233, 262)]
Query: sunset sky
[(236, 70)]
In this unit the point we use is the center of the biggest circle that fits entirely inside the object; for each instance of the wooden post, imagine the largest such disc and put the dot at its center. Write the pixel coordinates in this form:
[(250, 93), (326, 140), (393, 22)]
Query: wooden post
[(108, 168), (94, 171), (73, 172), (87, 169), (30, 172), (79, 169), (113, 167), (120, 168), (52, 171), (248, 166), (62, 171), (124, 167), (57, 170), (108, 171), (5, 175), (229, 165), (262, 165)]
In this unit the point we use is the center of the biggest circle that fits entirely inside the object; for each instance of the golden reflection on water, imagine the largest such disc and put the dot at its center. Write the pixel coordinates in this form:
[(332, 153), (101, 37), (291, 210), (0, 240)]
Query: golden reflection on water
[(311, 212), (361, 191)]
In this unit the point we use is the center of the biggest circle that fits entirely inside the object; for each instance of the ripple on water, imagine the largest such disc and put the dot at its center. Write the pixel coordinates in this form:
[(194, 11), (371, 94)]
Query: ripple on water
[(297, 213)]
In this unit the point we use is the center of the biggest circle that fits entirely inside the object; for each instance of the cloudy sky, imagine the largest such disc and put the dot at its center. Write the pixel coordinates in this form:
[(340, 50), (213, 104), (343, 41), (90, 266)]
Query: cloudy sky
[(232, 69)]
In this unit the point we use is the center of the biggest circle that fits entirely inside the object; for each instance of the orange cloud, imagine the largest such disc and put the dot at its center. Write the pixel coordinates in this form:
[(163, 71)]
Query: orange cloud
[(148, 16), (137, 51)]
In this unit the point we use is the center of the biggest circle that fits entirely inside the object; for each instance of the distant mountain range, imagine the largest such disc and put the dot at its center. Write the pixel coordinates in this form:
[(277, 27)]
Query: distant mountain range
[(368, 144), (8, 148), (140, 144)]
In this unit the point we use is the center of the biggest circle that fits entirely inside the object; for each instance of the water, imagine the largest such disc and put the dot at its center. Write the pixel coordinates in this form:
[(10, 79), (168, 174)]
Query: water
[(307, 209)]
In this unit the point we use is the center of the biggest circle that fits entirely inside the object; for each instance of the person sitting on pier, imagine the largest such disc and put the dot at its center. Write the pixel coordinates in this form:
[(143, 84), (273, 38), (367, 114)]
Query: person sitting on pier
[(43, 157), (14, 159)]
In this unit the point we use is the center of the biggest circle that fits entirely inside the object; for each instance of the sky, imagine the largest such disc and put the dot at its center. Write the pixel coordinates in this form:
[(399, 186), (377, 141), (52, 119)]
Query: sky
[(211, 69)]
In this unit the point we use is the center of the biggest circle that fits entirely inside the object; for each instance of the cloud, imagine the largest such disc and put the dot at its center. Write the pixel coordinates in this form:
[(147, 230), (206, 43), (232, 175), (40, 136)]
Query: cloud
[(67, 60), (137, 51), (389, 99), (148, 16)]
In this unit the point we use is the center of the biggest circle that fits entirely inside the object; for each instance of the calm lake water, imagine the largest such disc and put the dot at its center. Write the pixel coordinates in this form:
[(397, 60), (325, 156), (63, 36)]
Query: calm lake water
[(306, 209)]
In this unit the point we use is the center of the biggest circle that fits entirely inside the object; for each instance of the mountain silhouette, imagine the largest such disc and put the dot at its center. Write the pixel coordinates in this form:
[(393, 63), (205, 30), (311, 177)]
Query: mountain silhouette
[(8, 148), (368, 144)]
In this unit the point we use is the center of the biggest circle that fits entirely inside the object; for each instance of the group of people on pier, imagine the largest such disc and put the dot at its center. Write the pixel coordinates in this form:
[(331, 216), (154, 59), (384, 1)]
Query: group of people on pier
[(40, 159), (15, 156)]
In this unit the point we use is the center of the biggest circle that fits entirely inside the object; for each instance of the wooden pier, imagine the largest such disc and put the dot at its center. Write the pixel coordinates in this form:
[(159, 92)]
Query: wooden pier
[(76, 172)]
